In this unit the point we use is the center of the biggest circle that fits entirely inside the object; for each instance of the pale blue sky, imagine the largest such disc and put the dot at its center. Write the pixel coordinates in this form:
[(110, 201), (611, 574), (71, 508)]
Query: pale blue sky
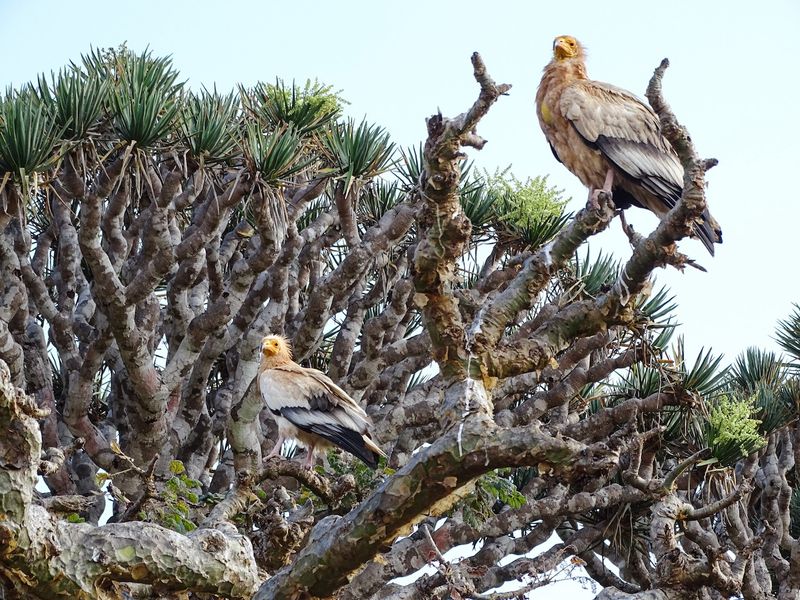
[(733, 82)]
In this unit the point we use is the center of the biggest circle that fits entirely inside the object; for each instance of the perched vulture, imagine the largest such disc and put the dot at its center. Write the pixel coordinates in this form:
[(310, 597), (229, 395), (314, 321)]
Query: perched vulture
[(610, 139), (310, 408)]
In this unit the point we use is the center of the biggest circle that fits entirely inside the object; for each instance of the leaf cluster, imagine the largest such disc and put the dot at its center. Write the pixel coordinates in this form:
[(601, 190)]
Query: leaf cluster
[(493, 491), (178, 496)]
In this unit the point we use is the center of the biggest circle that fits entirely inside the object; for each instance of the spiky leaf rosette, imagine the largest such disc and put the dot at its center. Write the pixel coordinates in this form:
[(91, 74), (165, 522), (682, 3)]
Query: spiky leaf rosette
[(788, 335), (145, 98), (358, 152), (29, 133), (755, 367), (209, 127)]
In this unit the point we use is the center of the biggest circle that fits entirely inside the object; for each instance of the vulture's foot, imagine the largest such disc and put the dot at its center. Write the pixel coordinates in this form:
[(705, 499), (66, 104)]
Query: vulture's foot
[(593, 203), (594, 195)]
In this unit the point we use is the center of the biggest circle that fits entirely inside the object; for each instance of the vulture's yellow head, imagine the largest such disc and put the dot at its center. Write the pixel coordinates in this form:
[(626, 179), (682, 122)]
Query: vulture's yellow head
[(276, 346), (566, 47)]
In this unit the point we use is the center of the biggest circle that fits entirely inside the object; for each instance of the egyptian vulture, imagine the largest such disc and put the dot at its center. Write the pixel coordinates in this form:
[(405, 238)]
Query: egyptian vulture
[(610, 139), (310, 408)]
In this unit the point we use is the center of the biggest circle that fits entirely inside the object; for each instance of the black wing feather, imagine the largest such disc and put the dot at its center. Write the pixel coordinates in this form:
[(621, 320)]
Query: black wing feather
[(666, 190), (346, 439)]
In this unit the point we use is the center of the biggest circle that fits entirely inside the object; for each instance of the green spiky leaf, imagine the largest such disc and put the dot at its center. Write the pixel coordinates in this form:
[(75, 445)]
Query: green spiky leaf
[(28, 133), (208, 123), (78, 99), (410, 166), (659, 305), (377, 200), (705, 377), (478, 205), (775, 406), (755, 367), (276, 155), (596, 275), (145, 98), (788, 333), (358, 152)]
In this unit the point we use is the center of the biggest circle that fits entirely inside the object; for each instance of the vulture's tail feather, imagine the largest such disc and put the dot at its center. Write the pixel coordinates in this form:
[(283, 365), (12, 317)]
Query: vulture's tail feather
[(349, 440)]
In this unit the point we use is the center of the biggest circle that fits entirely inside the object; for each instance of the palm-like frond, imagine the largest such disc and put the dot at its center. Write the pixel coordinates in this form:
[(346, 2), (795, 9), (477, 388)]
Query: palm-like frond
[(756, 367), (596, 275), (639, 381), (659, 305), (660, 341), (275, 155), (410, 166), (145, 99), (78, 99), (314, 210), (358, 153), (536, 231), (208, 122), (418, 378), (28, 133), (376, 200), (683, 426), (414, 324), (788, 333), (705, 377), (775, 406), (478, 205)]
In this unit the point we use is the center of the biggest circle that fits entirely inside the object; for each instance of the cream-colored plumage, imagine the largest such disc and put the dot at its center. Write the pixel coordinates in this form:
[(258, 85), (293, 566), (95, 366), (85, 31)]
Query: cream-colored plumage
[(610, 139), (310, 408)]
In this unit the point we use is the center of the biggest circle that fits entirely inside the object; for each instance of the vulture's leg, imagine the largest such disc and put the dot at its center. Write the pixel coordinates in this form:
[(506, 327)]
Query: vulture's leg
[(276, 450), (594, 195), (625, 227), (309, 463)]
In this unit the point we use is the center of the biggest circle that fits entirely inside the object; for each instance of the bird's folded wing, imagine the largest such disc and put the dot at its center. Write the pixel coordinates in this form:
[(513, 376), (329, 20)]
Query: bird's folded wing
[(627, 132), (299, 397), (297, 388), (337, 394)]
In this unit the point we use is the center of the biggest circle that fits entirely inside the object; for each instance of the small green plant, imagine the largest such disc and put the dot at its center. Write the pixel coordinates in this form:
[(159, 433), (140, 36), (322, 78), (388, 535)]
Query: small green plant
[(529, 210), (179, 494), (306, 109), (491, 488), (366, 479)]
